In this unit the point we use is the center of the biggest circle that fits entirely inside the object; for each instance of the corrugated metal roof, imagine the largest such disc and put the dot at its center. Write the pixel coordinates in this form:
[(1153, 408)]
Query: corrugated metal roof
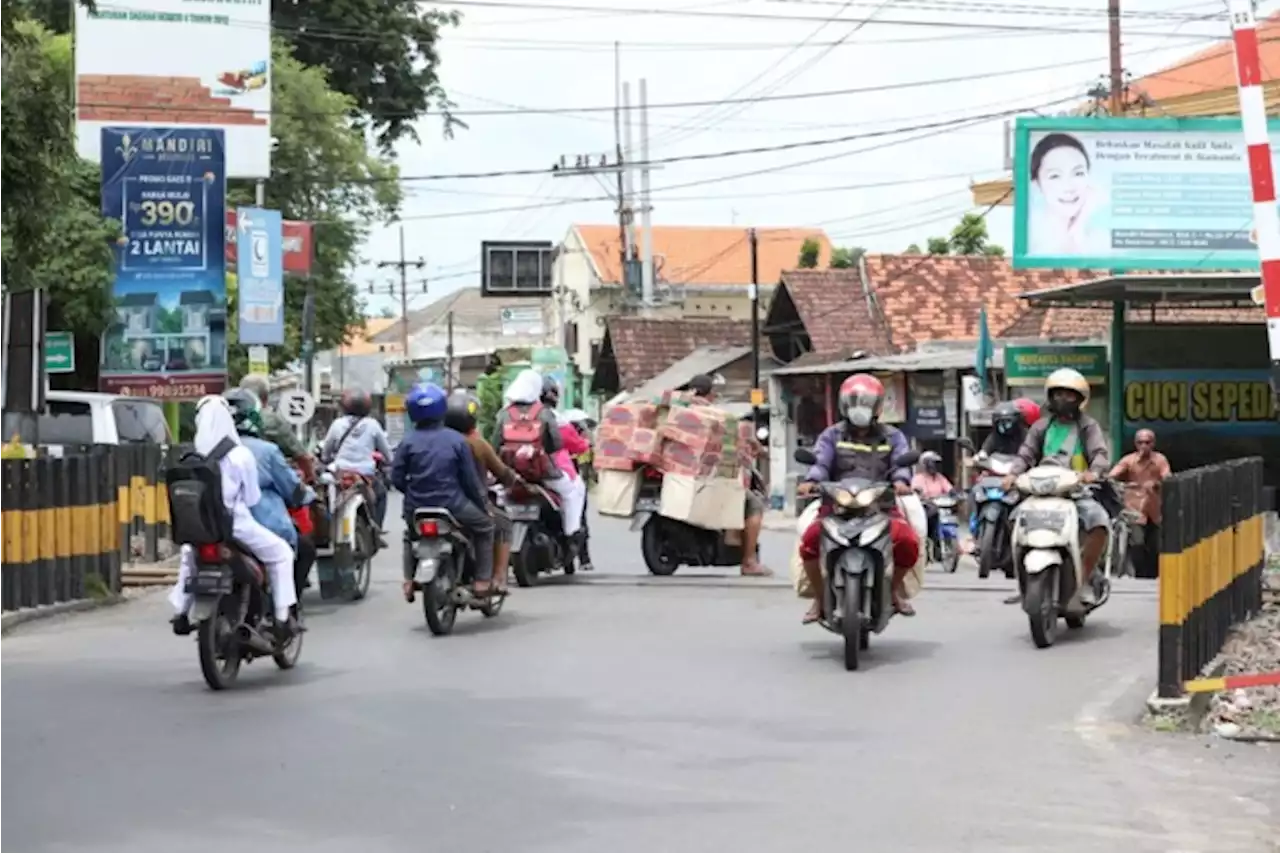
[(913, 362), (701, 360)]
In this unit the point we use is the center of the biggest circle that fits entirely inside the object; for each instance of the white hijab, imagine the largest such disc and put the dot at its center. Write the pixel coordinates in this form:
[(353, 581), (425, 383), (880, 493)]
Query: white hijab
[(525, 388), (213, 423)]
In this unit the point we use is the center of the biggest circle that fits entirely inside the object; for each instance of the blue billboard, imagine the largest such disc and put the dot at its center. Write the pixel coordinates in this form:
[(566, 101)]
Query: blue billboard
[(167, 187), (1227, 402), (260, 276)]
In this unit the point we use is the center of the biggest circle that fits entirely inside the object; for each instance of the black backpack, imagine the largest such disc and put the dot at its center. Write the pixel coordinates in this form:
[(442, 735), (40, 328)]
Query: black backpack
[(198, 515)]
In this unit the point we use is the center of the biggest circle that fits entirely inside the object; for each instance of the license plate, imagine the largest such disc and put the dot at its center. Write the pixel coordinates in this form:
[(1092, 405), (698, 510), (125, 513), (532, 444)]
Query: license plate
[(209, 583), (1044, 519), (995, 494), (523, 512), (647, 505), (432, 547)]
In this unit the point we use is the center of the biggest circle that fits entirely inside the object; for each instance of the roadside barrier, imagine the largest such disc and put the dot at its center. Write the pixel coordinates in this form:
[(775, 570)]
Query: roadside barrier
[(1231, 682), (1211, 563), (60, 528)]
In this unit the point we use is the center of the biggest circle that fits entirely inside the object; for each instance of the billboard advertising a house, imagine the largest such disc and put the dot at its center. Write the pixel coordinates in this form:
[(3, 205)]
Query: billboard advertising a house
[(177, 63), (1132, 193), (167, 187)]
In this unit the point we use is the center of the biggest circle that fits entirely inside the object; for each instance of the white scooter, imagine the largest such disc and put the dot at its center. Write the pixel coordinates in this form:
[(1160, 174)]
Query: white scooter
[(1046, 552), (345, 550)]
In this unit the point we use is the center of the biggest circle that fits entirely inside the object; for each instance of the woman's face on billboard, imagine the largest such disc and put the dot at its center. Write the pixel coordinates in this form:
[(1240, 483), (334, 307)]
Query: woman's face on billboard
[(1063, 180)]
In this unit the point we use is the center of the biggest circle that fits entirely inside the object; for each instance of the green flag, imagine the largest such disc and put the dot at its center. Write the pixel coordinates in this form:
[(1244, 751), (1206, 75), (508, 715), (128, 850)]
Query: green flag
[(982, 358)]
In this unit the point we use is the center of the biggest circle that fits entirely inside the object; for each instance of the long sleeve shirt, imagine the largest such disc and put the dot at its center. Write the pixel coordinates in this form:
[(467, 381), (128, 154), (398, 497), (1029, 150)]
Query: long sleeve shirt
[(826, 465), (280, 487), (356, 452), (435, 467)]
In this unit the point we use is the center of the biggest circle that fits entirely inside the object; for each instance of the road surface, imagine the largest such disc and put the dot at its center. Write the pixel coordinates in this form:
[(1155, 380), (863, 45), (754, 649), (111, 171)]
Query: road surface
[(614, 717)]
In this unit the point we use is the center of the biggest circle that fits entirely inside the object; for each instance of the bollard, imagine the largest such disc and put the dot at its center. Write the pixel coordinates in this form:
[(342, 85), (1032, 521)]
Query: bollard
[(104, 495), (63, 532), (46, 529), (11, 563)]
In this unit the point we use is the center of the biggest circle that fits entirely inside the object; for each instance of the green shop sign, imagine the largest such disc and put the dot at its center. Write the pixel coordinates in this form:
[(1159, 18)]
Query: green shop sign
[(1030, 365)]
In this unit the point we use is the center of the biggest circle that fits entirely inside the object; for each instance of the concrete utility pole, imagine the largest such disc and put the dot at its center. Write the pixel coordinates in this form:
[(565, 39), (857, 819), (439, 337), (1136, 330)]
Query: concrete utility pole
[(404, 265), (754, 293), (1117, 66), (448, 354), (646, 224)]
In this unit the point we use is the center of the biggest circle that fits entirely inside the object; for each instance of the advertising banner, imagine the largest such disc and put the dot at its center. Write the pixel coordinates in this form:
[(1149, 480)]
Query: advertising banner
[(295, 243), (177, 63), (925, 393), (167, 187), (1032, 365), (260, 278), (1234, 402), (1132, 193)]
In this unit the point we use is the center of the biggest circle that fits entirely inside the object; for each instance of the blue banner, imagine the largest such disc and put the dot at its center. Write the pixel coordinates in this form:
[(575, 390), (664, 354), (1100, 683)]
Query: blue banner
[(260, 276), (1230, 402), (167, 187)]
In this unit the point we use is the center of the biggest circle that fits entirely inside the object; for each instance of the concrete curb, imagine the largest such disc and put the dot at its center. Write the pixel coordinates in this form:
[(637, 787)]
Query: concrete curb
[(783, 582), (1190, 708), (9, 621)]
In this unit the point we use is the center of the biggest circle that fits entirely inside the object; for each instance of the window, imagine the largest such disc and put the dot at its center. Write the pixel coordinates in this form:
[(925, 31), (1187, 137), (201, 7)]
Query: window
[(139, 421), (63, 422), (516, 268)]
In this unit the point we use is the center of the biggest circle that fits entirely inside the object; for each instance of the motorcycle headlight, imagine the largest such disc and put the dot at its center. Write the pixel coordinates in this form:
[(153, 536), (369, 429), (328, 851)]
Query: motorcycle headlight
[(867, 497), (831, 528), (844, 498), (872, 533)]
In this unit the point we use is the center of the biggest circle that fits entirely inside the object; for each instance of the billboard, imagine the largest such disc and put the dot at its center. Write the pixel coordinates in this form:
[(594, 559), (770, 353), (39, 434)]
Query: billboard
[(1229, 402), (1133, 193), (177, 63), (259, 278), (296, 245), (167, 187)]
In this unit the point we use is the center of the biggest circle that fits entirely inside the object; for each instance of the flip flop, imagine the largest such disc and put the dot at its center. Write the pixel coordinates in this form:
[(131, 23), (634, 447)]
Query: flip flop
[(810, 618), (757, 571)]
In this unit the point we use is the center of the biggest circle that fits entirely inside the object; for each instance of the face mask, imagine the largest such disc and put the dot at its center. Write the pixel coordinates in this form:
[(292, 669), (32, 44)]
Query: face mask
[(860, 416), (1004, 428), (1065, 406)]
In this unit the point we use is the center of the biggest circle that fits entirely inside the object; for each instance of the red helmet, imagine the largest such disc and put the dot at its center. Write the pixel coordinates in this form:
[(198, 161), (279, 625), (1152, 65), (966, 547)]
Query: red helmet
[(861, 399), (1029, 409)]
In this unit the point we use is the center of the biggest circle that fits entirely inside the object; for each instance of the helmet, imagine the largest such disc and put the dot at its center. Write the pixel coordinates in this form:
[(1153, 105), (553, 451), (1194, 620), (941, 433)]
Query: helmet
[(257, 385), (244, 411), (702, 385), (1029, 408), (550, 391), (426, 401), (930, 460), (1066, 379), (861, 399), (461, 413), (356, 402), (1005, 417)]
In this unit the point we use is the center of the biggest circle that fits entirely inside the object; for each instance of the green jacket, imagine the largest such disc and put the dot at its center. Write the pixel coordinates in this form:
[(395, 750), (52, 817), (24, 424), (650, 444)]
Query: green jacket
[(280, 433)]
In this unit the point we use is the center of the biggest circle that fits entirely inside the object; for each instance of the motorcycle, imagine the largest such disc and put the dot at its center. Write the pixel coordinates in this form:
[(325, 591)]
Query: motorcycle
[(945, 542), (666, 544), (1046, 551), (857, 558), (445, 570), (989, 521), (232, 614), (538, 543), (347, 544)]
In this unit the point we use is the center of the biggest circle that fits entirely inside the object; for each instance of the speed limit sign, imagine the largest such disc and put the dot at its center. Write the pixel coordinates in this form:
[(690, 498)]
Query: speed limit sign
[(296, 407)]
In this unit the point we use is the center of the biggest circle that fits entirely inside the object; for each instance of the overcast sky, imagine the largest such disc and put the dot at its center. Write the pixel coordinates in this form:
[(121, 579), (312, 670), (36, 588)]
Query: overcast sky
[(509, 55)]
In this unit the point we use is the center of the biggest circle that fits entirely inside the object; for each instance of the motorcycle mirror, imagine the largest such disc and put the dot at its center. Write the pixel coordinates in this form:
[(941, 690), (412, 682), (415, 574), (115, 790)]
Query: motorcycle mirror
[(907, 459), (762, 434), (805, 456), (966, 444)]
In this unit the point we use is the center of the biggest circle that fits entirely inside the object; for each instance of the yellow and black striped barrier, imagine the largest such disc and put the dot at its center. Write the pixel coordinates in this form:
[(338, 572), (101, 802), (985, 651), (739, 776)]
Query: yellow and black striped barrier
[(59, 528), (1211, 562)]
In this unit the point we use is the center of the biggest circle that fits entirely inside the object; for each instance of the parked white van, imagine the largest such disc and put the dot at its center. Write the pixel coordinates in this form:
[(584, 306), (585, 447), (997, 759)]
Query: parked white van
[(83, 417)]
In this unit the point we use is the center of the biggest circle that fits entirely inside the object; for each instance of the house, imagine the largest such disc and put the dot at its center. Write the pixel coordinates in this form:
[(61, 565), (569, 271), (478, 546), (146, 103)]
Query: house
[(196, 306), (510, 322), (636, 349), (137, 313), (700, 273)]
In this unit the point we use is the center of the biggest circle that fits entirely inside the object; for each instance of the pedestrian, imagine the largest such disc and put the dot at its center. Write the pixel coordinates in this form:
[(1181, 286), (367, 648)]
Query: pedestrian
[(1145, 470)]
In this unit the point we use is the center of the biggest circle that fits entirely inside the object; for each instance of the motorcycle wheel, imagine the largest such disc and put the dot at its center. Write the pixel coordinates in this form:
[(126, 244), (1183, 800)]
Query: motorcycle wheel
[(851, 622), (287, 656), (437, 605), (362, 560), (950, 556), (651, 550), (524, 564), (493, 607), (1042, 613), (986, 549), (219, 650)]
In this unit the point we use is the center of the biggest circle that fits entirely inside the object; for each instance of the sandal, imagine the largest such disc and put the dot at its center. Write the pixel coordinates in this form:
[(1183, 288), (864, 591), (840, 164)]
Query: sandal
[(813, 615), (408, 591), (904, 608), (756, 570)]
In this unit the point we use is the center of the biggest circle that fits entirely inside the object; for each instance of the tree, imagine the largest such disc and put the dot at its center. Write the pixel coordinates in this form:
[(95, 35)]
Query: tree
[(387, 313), (844, 257), (380, 53), (322, 172), (810, 249), (914, 249), (969, 237)]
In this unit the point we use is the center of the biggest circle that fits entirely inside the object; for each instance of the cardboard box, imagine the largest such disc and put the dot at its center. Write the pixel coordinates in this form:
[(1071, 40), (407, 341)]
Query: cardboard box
[(616, 491), (716, 503)]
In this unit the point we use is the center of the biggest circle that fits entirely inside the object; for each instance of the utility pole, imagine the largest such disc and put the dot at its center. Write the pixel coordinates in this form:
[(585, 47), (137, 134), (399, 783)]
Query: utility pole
[(646, 225), (624, 208), (448, 353), (404, 265), (1117, 66), (754, 294)]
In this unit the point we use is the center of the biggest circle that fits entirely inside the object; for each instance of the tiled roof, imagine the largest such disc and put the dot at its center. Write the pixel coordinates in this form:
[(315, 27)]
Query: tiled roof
[(643, 347), (470, 308), (834, 310), (705, 255), (1213, 68)]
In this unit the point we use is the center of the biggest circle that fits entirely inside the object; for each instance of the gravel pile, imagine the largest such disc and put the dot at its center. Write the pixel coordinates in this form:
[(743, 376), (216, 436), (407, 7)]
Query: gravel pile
[(1252, 647)]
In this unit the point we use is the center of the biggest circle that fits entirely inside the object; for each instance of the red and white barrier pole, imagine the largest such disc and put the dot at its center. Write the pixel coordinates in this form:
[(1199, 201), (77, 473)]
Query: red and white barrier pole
[(1266, 217)]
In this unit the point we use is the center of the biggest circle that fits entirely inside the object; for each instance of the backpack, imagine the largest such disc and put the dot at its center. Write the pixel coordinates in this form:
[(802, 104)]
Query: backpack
[(523, 450), (197, 512)]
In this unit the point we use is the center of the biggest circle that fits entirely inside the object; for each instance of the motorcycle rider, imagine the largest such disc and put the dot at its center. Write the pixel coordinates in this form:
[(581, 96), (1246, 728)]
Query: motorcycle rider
[(1069, 438), (572, 444), (352, 441), (929, 482), (434, 467), (1010, 421), (276, 430), (282, 488), (860, 446), (240, 493), (461, 417)]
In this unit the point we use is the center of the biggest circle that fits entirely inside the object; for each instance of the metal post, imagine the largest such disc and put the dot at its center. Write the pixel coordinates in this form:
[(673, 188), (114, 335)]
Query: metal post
[(1115, 379), (754, 293), (448, 354), (646, 225), (628, 179), (404, 299), (260, 194)]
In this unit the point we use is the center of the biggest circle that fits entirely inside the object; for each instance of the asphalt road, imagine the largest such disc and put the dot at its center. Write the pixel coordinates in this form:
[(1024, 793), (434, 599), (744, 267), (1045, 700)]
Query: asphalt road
[(607, 716)]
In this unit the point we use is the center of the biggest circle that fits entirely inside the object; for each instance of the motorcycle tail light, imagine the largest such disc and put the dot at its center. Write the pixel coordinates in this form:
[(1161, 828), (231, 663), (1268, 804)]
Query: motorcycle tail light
[(652, 474), (428, 528), (211, 553)]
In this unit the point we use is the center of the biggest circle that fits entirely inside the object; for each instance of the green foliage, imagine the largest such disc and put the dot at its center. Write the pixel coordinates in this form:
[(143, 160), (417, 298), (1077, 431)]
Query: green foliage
[(914, 249), (489, 391), (969, 237), (844, 257), (322, 172), (938, 246), (810, 249), (389, 70)]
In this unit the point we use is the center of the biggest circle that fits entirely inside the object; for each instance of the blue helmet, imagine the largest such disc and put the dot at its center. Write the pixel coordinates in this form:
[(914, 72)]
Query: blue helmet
[(426, 401)]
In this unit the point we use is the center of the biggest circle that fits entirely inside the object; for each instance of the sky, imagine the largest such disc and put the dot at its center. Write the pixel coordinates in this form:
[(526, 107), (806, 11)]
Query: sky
[(910, 137)]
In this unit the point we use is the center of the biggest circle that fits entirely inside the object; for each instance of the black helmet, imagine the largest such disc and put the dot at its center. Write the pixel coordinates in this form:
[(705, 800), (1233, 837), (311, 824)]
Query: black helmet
[(550, 391), (1005, 418), (356, 402), (244, 411), (702, 385), (462, 412)]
